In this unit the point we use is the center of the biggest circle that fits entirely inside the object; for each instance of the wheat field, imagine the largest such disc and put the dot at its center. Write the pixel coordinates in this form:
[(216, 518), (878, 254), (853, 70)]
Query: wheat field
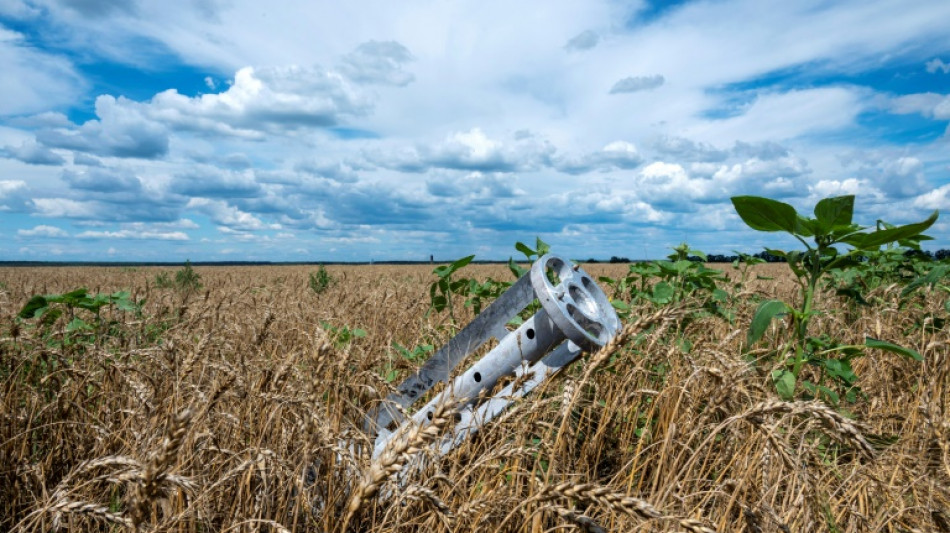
[(231, 408)]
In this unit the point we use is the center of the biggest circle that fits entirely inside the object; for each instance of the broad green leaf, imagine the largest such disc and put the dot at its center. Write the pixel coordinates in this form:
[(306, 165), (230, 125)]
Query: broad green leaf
[(893, 348), (77, 324), (460, 263), (541, 247), (784, 382), (662, 293), (932, 277), (808, 227), (875, 239), (834, 212), (516, 269), (620, 305), (523, 248), (767, 310), (830, 394), (34, 308), (764, 214)]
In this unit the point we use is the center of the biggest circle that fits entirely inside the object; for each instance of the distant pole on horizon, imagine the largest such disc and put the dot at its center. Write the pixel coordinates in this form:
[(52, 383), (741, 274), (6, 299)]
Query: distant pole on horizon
[(431, 259)]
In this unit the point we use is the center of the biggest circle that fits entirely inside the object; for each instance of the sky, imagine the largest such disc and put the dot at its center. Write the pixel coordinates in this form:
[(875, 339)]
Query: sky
[(303, 130)]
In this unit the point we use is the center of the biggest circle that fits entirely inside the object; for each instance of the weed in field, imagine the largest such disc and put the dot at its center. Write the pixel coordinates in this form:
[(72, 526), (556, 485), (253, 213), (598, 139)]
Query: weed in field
[(320, 280), (831, 229)]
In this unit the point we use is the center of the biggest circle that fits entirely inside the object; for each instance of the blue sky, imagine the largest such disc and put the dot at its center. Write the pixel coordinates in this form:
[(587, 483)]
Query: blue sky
[(327, 131)]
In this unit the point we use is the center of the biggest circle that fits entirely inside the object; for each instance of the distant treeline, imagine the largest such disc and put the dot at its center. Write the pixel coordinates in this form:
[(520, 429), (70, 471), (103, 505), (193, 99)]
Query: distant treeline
[(711, 258), (939, 255)]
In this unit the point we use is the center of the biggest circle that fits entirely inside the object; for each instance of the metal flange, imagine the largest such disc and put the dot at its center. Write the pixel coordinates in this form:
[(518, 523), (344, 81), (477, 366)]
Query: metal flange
[(574, 301)]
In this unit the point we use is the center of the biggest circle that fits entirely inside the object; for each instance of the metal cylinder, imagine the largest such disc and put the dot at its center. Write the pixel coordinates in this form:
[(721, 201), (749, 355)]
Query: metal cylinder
[(527, 344)]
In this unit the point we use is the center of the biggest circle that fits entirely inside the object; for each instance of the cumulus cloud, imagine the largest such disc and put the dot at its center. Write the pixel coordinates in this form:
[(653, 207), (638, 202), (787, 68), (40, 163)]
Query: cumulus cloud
[(102, 180), (898, 177), (136, 235), (637, 83), (341, 171), (264, 99), (584, 40), (212, 182), (32, 153), (228, 216), (376, 62), (43, 231), (613, 156), (936, 64), (687, 150), (469, 150), (828, 188), (476, 185), (930, 105), (13, 195), (938, 198), (123, 129)]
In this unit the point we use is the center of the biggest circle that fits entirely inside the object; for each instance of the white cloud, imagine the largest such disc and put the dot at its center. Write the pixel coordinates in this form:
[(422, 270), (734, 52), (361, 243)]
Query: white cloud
[(264, 99), (34, 80), (930, 105), (32, 153), (136, 235), (13, 194), (377, 62), (584, 40), (777, 117), (123, 129), (64, 208), (228, 216), (634, 84), (43, 231), (936, 64), (938, 198)]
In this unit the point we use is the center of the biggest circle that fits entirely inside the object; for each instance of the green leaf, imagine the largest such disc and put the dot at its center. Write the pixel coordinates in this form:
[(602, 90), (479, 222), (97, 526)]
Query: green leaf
[(834, 212), (77, 324), (932, 277), (523, 248), (460, 263), (516, 269), (34, 308), (875, 239), (784, 382), (765, 214), (767, 310), (662, 293), (893, 348), (542, 247)]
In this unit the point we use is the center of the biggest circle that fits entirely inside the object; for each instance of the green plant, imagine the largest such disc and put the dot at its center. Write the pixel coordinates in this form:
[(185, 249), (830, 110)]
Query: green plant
[(743, 263), (479, 294), (343, 335), (163, 280), (320, 280), (47, 310), (186, 279), (830, 230), (682, 275)]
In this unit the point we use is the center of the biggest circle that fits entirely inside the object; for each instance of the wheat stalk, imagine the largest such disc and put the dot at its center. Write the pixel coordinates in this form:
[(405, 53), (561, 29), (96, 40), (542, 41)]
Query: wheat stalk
[(396, 454)]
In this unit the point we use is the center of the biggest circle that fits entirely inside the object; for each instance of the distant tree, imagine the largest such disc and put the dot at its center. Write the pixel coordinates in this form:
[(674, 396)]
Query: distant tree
[(615, 259)]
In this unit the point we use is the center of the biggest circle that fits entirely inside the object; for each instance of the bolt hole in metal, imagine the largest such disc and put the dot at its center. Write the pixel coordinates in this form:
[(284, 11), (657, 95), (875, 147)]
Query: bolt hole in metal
[(593, 328), (429, 415), (477, 376), (529, 333), (585, 302)]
